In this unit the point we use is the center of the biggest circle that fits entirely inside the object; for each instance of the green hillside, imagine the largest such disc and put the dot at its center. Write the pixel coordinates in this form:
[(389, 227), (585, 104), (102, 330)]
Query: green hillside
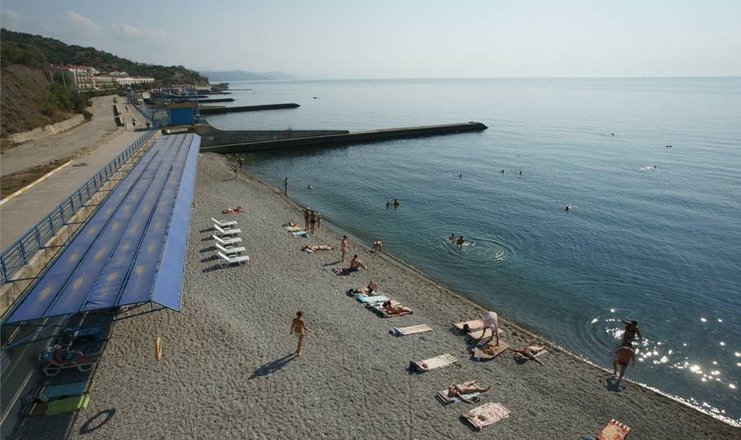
[(38, 51)]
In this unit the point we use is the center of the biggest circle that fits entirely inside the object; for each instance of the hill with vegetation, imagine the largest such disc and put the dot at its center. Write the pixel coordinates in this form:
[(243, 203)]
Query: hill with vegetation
[(30, 97), (51, 51)]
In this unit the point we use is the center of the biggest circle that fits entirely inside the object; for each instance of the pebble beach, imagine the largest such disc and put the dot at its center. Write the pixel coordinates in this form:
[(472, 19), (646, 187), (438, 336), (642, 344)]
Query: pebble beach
[(228, 370)]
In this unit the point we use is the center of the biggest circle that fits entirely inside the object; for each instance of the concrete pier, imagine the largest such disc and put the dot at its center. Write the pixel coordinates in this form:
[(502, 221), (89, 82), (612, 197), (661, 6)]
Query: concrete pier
[(214, 110), (240, 142)]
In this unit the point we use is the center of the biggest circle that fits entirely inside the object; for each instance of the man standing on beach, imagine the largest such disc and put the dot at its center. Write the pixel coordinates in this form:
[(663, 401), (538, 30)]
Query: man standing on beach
[(623, 355), (285, 186), (343, 247)]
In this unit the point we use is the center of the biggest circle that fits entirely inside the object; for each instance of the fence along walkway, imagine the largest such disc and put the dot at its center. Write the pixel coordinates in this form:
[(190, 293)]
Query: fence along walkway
[(63, 218)]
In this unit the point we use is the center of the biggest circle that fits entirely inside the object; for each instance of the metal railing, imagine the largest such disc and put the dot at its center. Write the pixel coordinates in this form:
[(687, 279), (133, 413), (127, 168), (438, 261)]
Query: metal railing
[(17, 255)]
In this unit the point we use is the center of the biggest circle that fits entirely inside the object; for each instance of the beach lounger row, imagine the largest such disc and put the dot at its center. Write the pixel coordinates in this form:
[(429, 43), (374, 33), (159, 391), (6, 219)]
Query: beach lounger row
[(226, 243)]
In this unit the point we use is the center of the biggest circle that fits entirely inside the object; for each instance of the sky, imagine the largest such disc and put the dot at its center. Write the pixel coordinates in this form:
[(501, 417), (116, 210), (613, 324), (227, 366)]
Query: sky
[(403, 38)]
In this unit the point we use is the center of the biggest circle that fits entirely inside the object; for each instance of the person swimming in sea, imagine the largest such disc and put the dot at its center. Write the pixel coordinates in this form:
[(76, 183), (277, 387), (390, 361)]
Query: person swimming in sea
[(460, 241)]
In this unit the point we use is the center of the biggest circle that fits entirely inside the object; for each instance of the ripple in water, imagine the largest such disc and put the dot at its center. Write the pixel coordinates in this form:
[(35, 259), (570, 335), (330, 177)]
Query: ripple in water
[(479, 251)]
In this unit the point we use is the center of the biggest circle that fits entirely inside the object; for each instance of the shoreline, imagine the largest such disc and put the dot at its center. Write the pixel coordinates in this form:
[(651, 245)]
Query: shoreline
[(227, 370), (503, 319)]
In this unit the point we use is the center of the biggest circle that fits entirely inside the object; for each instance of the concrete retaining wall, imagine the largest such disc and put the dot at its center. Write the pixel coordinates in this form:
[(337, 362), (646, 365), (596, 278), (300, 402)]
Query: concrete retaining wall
[(47, 130)]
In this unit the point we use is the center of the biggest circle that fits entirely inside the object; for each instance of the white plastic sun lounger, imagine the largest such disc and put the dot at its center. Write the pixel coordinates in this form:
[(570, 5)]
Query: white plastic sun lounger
[(226, 261), (227, 231), (413, 329), (229, 250), (226, 224), (226, 241)]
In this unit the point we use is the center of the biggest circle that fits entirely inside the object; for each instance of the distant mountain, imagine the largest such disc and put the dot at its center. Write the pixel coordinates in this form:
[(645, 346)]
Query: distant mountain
[(37, 51), (242, 75)]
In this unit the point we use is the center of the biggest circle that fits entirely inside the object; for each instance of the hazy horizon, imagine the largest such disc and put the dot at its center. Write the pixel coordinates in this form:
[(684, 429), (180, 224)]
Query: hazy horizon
[(363, 39)]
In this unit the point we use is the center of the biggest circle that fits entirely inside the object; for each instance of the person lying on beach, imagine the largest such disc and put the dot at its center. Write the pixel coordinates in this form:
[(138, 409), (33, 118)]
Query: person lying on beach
[(311, 248), (458, 390), (394, 309), (529, 352), (237, 210)]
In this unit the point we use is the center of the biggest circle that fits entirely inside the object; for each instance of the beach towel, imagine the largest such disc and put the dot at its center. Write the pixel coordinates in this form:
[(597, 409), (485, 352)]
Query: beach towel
[(300, 234), (404, 331), (371, 299), (292, 228), (440, 361), (479, 354), (381, 311), (475, 324), (443, 397), (614, 431), (485, 415)]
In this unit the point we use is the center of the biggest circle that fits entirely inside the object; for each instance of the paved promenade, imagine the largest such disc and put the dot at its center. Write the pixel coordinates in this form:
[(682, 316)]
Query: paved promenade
[(97, 146)]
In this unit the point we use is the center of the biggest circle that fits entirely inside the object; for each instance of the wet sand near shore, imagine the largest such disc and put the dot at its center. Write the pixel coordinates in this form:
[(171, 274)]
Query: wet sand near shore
[(228, 371)]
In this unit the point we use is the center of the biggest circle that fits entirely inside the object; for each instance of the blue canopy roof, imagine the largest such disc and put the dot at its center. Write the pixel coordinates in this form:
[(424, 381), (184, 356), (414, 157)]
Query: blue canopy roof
[(132, 250)]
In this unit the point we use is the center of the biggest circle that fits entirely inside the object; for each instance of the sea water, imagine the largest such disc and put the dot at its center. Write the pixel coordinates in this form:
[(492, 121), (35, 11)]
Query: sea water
[(651, 171)]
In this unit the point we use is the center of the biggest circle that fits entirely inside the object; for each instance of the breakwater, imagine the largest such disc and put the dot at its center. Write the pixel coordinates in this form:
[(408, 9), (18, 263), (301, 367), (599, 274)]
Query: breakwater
[(219, 141), (245, 108)]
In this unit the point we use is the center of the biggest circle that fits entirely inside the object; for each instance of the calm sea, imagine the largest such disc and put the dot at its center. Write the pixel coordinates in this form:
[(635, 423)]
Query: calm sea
[(650, 167)]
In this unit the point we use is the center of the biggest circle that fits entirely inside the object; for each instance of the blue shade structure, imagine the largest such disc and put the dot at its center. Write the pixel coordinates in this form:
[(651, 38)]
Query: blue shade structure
[(132, 250)]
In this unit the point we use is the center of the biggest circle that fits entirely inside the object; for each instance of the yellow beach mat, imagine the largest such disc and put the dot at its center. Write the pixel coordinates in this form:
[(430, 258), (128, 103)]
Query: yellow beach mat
[(404, 331), (486, 353)]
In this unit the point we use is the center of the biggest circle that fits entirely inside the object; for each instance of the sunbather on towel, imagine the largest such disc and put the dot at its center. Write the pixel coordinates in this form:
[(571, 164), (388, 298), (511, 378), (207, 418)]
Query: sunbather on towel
[(394, 309), (529, 352), (311, 248), (458, 390), (237, 210)]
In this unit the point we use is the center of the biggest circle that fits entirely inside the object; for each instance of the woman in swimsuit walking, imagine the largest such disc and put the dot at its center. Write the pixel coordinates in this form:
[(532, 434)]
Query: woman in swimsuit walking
[(298, 328)]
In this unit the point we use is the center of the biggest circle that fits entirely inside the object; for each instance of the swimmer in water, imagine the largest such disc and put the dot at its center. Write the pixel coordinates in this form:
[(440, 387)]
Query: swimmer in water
[(460, 241), (567, 208), (396, 203), (502, 171), (452, 237)]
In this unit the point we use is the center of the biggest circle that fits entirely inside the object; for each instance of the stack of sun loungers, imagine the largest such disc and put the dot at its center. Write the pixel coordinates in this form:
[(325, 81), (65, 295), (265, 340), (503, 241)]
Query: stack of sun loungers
[(228, 243)]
